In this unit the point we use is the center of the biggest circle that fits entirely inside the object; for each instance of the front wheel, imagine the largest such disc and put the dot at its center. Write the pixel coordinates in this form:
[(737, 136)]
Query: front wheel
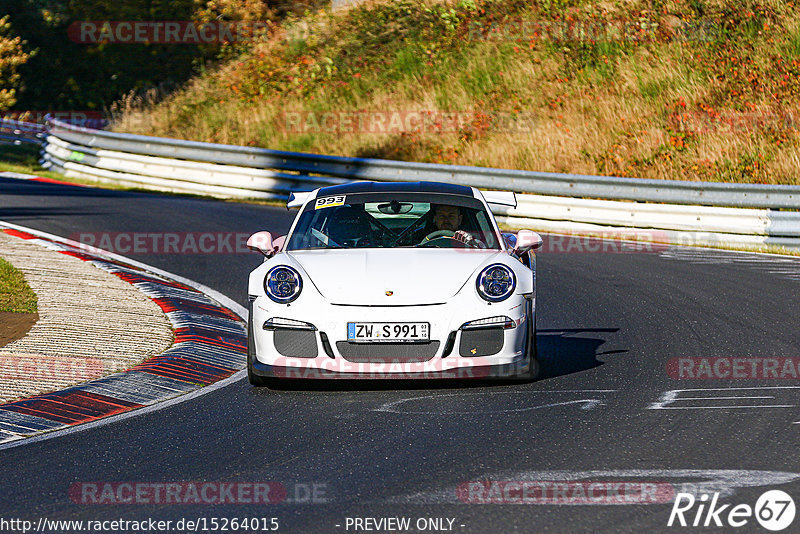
[(253, 378), (533, 356)]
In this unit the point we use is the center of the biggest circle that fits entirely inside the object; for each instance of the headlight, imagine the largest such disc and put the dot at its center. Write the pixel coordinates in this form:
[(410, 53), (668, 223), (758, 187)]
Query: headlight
[(496, 283), (283, 284), (274, 323), (501, 321)]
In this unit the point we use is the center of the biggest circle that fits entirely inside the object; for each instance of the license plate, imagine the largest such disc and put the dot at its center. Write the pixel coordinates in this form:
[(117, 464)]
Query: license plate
[(371, 332)]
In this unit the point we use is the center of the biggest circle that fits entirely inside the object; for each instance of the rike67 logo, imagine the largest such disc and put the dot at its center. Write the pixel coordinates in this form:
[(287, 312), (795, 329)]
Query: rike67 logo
[(774, 510)]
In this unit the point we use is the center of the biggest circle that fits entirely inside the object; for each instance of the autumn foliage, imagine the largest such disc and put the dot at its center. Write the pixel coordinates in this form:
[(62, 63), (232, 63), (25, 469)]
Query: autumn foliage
[(12, 55)]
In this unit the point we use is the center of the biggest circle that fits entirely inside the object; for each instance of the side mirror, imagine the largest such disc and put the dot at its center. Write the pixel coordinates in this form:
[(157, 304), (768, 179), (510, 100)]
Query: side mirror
[(278, 243), (527, 240), (263, 243), (510, 240)]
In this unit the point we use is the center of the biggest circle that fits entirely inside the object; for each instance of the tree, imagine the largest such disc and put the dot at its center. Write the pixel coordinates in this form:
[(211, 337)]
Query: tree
[(67, 74), (12, 56)]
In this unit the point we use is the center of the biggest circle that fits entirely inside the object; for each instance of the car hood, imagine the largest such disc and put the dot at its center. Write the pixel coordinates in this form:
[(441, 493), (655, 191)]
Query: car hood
[(413, 276)]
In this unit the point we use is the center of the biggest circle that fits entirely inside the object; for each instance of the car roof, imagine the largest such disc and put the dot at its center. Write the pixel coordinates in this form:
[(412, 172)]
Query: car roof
[(396, 187)]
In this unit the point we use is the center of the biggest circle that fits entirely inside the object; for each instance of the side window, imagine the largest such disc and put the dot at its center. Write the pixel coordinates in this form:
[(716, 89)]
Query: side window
[(302, 236), (486, 230)]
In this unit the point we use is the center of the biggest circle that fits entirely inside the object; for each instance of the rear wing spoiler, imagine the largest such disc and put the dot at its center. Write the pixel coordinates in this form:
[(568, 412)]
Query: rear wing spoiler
[(297, 199), (497, 199), (493, 198)]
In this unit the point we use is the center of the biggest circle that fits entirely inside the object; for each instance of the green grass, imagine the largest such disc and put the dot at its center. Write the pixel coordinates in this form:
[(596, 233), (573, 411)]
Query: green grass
[(15, 293), (36, 170), (792, 46), (24, 159)]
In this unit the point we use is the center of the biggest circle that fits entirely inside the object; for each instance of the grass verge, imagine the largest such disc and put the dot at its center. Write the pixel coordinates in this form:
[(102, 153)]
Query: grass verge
[(15, 293), (24, 159)]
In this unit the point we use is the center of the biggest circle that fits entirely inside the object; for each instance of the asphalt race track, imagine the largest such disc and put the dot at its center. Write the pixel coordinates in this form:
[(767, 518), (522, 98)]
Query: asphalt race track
[(606, 410)]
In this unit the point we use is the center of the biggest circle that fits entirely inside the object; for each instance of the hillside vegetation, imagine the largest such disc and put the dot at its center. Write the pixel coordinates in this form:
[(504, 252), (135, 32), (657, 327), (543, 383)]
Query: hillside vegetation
[(692, 90), (46, 66)]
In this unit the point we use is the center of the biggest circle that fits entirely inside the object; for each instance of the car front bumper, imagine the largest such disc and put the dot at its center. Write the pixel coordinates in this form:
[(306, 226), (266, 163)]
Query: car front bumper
[(323, 351)]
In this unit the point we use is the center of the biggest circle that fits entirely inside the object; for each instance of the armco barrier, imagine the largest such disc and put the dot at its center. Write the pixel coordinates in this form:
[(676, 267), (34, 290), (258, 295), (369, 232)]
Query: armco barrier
[(18, 132), (701, 213)]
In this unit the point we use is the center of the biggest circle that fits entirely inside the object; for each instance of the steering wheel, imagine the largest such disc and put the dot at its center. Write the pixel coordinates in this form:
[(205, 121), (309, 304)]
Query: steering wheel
[(437, 239)]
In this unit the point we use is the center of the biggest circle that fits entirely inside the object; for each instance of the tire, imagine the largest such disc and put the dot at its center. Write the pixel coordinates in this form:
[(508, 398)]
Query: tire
[(254, 379)]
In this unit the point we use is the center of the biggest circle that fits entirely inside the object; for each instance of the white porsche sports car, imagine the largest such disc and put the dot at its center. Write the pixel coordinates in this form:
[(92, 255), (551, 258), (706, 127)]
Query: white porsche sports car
[(393, 280)]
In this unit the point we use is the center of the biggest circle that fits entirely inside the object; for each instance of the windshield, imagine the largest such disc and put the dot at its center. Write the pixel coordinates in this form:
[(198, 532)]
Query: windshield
[(370, 220)]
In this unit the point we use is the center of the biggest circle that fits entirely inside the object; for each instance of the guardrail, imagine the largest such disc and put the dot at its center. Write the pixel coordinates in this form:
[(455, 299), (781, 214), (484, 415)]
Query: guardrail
[(18, 132), (696, 212)]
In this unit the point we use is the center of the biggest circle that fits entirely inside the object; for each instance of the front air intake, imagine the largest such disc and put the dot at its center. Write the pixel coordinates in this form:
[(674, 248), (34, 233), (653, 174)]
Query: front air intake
[(295, 343), (387, 352), (481, 342)]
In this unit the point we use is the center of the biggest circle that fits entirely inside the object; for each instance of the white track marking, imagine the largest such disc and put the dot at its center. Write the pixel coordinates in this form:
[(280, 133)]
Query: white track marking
[(17, 176), (725, 407), (673, 396), (126, 415), (695, 481), (785, 267), (587, 404), (725, 398), (240, 310)]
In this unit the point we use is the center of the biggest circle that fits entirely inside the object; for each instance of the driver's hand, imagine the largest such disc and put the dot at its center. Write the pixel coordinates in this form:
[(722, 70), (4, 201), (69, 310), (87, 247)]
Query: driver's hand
[(468, 239), (464, 237)]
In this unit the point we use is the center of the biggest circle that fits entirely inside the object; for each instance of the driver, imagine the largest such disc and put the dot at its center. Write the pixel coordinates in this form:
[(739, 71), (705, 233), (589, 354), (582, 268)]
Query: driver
[(446, 217)]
